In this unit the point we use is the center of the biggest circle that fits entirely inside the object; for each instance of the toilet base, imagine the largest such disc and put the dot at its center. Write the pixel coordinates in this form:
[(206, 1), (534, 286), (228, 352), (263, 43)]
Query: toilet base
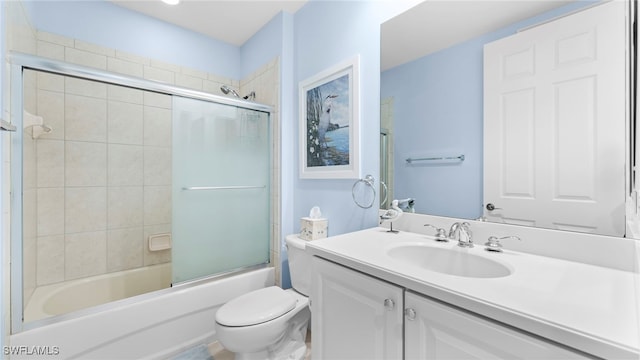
[(292, 346)]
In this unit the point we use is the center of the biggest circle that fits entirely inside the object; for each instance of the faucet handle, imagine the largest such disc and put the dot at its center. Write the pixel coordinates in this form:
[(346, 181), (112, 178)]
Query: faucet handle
[(441, 234), (493, 243)]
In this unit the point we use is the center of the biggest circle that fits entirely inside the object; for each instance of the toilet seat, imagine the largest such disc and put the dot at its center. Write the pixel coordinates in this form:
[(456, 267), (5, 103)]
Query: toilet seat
[(256, 307)]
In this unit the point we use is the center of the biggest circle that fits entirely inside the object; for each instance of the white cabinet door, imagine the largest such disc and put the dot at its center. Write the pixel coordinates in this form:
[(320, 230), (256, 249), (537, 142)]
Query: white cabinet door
[(437, 331), (354, 316), (554, 117)]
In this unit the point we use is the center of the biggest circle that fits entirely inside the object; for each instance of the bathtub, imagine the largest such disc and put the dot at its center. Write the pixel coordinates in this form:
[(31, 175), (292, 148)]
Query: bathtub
[(150, 326), (69, 296)]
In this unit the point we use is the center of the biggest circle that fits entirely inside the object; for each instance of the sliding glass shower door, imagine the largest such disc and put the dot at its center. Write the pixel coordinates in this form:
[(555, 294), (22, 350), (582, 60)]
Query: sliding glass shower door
[(220, 195)]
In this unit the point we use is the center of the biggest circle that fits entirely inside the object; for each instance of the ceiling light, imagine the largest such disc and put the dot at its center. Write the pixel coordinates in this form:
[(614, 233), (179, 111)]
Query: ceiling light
[(171, 2)]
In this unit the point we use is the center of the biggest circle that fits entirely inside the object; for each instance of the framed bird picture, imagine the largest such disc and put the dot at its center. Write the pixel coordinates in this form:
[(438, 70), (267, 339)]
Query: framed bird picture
[(329, 123)]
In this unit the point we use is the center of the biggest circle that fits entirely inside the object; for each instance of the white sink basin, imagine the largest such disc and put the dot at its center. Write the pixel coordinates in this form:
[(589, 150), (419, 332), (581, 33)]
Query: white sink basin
[(454, 261)]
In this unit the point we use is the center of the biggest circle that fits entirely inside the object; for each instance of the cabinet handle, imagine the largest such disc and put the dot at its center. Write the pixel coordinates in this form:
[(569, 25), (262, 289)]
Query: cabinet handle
[(389, 304), (410, 314)]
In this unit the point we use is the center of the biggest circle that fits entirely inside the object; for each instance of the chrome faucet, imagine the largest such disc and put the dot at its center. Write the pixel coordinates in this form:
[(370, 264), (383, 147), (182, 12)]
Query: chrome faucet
[(462, 233)]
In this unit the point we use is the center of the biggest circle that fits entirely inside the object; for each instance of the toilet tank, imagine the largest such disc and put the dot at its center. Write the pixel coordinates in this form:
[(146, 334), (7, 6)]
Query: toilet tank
[(299, 264)]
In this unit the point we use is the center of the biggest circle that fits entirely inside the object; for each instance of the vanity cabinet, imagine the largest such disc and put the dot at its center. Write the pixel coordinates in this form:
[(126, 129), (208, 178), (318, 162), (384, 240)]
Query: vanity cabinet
[(356, 316), (434, 330)]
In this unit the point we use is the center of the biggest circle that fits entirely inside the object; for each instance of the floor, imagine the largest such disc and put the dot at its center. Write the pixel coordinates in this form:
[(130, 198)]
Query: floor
[(215, 351)]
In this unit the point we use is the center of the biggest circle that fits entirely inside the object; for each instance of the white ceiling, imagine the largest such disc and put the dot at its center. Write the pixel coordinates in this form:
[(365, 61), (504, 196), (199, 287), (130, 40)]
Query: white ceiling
[(435, 25), (430, 26), (230, 21)]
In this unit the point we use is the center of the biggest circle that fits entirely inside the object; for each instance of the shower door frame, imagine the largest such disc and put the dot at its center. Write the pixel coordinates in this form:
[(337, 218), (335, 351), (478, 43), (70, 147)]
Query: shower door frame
[(20, 62)]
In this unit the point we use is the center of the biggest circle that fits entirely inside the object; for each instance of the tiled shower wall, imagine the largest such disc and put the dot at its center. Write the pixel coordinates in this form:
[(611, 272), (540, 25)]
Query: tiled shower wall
[(103, 175), (103, 178)]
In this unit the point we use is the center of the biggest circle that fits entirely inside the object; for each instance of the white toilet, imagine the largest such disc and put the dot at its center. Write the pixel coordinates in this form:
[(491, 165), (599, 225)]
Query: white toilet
[(270, 323)]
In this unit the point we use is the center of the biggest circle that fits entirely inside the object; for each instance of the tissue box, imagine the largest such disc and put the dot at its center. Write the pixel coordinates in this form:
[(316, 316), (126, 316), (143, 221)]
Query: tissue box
[(313, 229)]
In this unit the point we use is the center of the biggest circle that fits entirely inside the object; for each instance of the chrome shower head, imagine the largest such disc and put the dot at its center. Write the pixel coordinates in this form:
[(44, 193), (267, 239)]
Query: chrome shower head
[(226, 90)]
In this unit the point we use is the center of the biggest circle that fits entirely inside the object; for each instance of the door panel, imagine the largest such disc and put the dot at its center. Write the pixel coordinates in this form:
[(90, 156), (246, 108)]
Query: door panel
[(555, 115), (354, 316)]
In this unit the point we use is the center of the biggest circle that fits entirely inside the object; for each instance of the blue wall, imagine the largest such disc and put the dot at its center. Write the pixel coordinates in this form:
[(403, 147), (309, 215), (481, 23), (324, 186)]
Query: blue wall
[(438, 110), (109, 25), (328, 33)]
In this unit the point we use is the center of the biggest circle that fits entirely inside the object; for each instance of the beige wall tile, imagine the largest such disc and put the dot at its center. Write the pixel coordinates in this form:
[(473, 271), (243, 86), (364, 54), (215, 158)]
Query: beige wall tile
[(157, 100), (160, 75), (125, 123), (93, 48), (157, 205), (50, 257), (86, 118), (165, 66), (30, 101), (124, 94), (189, 82), (85, 164), (125, 67), (195, 73), (30, 213), (157, 166), (85, 209), (20, 36), (55, 39), (50, 155), (157, 126), (85, 87), (50, 82), (51, 106), (125, 207), (126, 164), (29, 166), (85, 58), (85, 254), (29, 263), (132, 57), (51, 211), (50, 50), (124, 249)]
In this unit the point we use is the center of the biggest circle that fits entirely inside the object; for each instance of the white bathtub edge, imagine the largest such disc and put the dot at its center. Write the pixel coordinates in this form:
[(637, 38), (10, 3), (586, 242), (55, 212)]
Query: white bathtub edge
[(150, 328)]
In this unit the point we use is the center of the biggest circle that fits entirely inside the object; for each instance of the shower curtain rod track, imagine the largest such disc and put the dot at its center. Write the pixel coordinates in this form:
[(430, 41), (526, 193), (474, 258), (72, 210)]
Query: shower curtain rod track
[(223, 187), (63, 68)]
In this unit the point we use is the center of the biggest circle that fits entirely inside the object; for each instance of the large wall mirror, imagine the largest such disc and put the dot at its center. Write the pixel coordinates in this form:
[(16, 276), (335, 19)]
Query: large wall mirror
[(435, 99)]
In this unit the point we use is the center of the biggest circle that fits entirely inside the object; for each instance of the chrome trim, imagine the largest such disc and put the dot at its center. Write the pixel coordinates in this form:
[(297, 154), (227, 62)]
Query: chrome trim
[(63, 68), (223, 187), (207, 278), (15, 229), (437, 158)]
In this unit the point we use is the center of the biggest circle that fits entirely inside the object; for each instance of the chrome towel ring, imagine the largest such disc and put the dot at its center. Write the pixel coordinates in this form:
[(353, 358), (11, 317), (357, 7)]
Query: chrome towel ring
[(368, 182)]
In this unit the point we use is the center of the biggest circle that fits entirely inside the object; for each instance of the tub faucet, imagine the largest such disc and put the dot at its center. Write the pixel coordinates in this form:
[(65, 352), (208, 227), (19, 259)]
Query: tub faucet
[(462, 233)]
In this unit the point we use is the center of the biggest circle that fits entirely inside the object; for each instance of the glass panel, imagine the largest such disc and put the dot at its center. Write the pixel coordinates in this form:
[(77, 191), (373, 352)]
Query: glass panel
[(96, 184), (101, 173), (221, 174)]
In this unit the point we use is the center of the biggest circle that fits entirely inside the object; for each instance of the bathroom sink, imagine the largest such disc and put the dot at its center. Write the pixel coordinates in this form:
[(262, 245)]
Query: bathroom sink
[(455, 261)]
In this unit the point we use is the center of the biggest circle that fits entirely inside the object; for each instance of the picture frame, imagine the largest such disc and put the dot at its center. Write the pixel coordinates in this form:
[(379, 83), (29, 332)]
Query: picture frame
[(329, 106)]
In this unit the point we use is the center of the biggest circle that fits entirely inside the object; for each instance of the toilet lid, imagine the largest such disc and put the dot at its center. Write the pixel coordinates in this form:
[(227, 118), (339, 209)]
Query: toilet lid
[(256, 307)]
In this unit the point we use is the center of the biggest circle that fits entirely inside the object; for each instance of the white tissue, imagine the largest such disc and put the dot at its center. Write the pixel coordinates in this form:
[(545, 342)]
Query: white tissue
[(313, 227), (315, 213)]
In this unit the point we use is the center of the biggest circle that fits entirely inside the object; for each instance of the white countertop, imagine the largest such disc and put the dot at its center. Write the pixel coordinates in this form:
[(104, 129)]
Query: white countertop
[(590, 308)]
